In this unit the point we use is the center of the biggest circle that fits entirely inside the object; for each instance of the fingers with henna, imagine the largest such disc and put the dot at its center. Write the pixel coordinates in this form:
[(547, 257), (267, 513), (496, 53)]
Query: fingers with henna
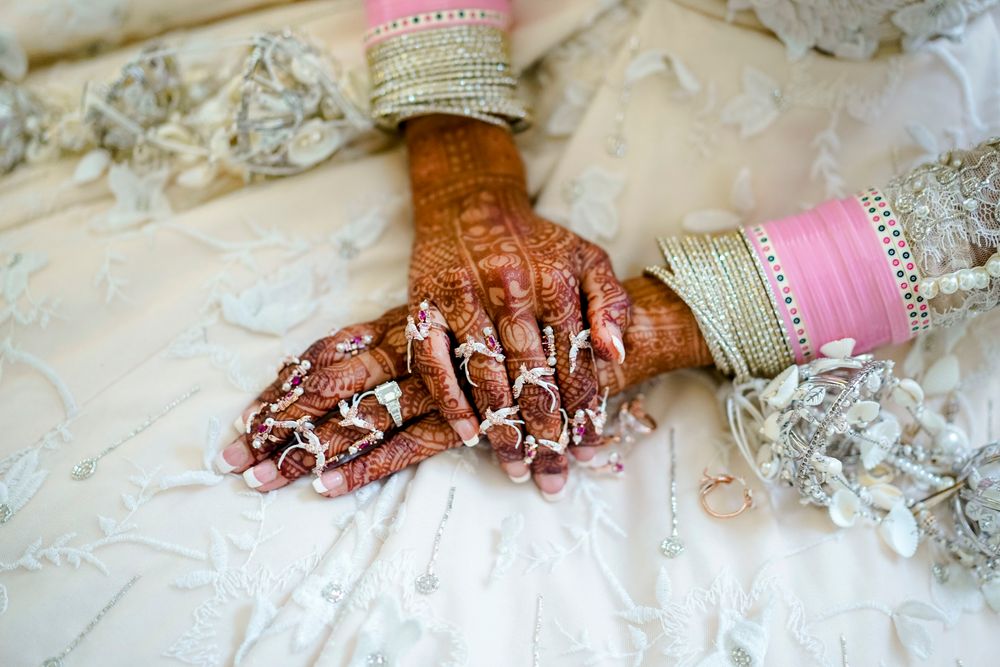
[(426, 437), (608, 304), (433, 360), (340, 438)]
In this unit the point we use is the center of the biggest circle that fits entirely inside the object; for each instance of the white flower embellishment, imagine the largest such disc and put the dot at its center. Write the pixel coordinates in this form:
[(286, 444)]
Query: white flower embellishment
[(922, 20), (757, 106), (385, 636), (591, 197), (138, 198), (273, 305)]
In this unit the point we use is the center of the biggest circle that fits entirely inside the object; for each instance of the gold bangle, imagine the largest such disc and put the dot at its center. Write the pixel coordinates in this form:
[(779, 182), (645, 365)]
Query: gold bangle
[(720, 280), (460, 70)]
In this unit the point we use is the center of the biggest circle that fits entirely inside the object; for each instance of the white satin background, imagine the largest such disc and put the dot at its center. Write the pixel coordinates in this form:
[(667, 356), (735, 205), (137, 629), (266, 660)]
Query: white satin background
[(228, 577)]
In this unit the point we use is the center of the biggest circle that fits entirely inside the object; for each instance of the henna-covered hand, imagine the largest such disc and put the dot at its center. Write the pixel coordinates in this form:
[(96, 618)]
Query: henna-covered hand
[(662, 336), (485, 260)]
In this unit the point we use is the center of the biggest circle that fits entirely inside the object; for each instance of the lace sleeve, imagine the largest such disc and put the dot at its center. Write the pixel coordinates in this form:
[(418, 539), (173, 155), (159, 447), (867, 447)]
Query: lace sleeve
[(948, 210)]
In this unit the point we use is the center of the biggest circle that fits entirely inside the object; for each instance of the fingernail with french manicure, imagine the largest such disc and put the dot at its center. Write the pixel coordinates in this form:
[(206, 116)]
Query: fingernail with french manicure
[(517, 471), (260, 474), (555, 497), (232, 457), (330, 483), (617, 342), (469, 433)]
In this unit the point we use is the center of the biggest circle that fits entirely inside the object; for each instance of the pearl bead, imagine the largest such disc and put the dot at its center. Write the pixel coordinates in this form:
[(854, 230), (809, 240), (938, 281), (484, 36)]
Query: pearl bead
[(966, 280), (993, 265), (948, 284), (923, 211), (970, 204), (918, 184), (951, 439), (956, 163), (982, 278), (928, 288)]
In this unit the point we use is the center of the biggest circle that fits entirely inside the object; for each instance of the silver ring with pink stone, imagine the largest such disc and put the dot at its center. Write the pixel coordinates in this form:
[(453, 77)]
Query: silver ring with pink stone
[(536, 376), (490, 347), (306, 438), (598, 418), (417, 328), (292, 386), (354, 345)]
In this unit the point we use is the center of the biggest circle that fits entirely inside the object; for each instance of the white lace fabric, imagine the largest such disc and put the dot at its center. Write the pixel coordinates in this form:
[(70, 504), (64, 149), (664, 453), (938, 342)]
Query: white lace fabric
[(854, 29), (948, 210)]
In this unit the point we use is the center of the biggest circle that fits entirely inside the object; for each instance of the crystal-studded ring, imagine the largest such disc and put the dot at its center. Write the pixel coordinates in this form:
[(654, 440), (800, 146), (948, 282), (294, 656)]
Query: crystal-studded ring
[(292, 386), (490, 347), (388, 395), (711, 482), (306, 438), (577, 342), (502, 417), (354, 345), (536, 376), (416, 329)]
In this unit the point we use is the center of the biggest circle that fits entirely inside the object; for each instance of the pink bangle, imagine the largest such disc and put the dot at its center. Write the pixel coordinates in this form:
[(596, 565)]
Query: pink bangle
[(389, 18), (842, 269)]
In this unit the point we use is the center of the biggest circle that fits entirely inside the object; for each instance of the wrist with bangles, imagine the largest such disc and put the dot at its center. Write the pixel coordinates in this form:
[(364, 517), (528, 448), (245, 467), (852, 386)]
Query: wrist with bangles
[(442, 61)]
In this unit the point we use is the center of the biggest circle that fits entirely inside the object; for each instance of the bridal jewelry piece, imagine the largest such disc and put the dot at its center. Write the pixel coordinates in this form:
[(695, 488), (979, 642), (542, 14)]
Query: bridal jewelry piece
[(388, 395), (88, 467), (530, 449), (428, 582), (672, 546), (549, 346), (293, 385), (306, 438), (597, 417), (536, 637), (616, 144), (263, 432), (710, 483), (491, 348), (577, 342), (349, 413), (351, 418), (535, 376), (416, 330), (502, 417), (354, 345), (579, 426), (57, 661), (531, 444)]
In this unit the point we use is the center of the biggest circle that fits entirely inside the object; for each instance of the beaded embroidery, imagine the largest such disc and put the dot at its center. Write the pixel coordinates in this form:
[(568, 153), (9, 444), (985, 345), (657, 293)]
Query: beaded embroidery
[(899, 256), (785, 299), (442, 19)]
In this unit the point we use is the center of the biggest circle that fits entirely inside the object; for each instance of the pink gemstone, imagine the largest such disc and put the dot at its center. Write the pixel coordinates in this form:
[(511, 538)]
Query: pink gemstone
[(580, 430), (296, 381), (356, 340), (262, 428), (491, 341), (422, 316)]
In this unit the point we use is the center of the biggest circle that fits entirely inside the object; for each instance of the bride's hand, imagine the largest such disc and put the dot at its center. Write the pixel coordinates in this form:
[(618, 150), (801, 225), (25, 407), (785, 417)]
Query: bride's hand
[(663, 336), (487, 263)]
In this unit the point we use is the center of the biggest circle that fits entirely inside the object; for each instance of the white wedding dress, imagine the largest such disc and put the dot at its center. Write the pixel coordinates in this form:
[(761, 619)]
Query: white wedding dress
[(118, 299)]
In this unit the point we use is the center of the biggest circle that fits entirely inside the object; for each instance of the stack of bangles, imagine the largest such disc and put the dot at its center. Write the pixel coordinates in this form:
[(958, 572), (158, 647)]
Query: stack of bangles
[(768, 296), (441, 57)]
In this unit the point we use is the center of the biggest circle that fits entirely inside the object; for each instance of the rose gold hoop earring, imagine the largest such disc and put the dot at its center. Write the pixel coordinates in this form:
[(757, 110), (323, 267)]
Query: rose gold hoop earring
[(711, 482)]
